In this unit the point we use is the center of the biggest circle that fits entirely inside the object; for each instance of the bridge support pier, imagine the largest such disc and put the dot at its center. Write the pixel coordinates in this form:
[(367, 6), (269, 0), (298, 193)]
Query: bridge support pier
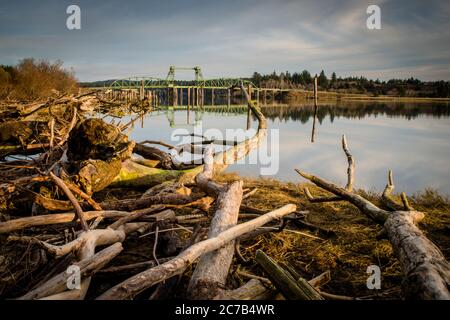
[(174, 97), (188, 97), (141, 91), (196, 97)]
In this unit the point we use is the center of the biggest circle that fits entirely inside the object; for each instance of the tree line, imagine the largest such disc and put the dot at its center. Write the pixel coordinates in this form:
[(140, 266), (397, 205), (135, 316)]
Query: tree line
[(411, 87), (35, 79)]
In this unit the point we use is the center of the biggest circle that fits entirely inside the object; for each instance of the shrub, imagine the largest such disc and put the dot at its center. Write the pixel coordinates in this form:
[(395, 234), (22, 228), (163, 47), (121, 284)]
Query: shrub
[(34, 79), (5, 83)]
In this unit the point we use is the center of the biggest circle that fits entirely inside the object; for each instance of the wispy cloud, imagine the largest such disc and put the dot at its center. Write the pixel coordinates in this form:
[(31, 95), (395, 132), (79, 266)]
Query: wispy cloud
[(232, 38)]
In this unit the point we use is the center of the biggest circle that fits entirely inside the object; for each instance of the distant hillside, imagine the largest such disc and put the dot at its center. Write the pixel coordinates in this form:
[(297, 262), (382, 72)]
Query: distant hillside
[(95, 84), (355, 85), (395, 87)]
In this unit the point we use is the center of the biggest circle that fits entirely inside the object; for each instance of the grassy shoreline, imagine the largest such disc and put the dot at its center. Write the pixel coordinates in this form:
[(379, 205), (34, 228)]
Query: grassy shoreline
[(331, 95), (354, 245)]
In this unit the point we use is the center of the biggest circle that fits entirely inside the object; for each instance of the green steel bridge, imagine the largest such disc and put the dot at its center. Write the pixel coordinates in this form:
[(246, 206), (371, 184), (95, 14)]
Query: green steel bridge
[(173, 92), (170, 81)]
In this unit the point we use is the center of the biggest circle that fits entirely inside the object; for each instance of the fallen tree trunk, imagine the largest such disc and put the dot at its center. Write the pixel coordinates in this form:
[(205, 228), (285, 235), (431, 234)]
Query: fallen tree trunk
[(57, 218), (426, 271), (133, 174), (49, 219), (212, 269), (153, 153), (132, 286)]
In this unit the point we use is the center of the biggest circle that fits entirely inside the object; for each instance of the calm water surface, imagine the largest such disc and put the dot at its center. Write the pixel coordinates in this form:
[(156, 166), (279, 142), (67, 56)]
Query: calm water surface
[(411, 139)]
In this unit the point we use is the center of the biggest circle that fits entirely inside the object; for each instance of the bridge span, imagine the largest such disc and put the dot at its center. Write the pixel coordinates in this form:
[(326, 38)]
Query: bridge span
[(196, 92)]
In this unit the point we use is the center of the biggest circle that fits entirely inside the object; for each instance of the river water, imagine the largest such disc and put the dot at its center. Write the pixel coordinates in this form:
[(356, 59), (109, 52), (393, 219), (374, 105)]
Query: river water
[(412, 139)]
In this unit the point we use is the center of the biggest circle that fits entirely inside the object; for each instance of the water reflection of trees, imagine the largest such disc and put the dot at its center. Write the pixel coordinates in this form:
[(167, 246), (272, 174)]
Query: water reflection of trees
[(359, 110)]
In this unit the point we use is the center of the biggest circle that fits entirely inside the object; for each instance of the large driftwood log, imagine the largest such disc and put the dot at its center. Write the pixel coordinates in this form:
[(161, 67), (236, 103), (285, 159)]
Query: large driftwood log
[(153, 153), (136, 284), (57, 218), (210, 275), (50, 219), (425, 269)]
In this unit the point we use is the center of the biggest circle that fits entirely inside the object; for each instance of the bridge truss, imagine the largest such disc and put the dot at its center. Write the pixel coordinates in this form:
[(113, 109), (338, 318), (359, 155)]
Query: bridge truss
[(170, 81)]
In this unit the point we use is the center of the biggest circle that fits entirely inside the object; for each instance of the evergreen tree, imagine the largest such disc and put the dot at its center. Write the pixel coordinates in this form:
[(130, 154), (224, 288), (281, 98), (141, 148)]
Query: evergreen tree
[(334, 80), (256, 78), (305, 77), (322, 80)]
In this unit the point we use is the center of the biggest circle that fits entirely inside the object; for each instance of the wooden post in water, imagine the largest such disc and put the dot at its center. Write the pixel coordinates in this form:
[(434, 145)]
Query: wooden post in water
[(313, 133), (228, 97), (212, 96), (315, 89), (142, 92)]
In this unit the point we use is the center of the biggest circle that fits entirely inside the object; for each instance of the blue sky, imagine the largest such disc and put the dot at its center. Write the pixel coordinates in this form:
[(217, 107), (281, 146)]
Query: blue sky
[(231, 38)]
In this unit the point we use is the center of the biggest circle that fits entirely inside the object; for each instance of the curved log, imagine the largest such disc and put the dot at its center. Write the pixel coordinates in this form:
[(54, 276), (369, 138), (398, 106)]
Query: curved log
[(136, 284), (426, 271)]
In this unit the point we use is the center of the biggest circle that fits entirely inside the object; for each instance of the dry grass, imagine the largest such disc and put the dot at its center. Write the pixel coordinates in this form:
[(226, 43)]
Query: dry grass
[(354, 246), (347, 253)]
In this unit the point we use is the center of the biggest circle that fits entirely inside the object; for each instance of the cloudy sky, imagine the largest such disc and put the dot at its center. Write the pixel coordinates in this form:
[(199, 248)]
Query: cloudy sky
[(231, 38)]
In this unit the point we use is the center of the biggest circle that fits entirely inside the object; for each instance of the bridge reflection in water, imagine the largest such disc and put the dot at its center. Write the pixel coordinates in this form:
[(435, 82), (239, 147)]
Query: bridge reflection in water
[(305, 111), (410, 138)]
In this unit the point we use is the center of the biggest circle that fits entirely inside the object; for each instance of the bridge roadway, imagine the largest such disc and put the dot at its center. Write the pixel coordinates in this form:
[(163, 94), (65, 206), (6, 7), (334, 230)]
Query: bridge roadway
[(171, 92)]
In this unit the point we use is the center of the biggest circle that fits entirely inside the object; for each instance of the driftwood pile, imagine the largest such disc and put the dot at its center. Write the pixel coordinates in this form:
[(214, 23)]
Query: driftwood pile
[(49, 207), (58, 213)]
